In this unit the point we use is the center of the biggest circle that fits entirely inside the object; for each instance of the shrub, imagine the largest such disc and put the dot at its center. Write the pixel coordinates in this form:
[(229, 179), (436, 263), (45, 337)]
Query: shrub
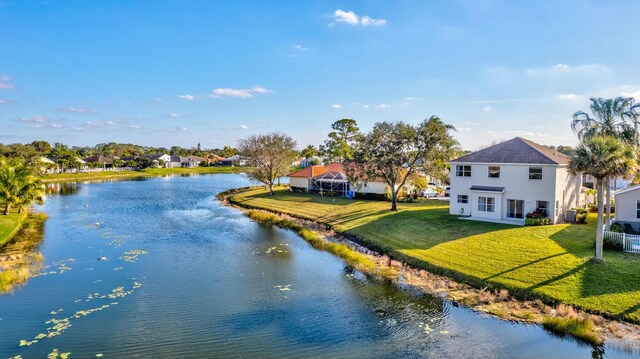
[(538, 213), (617, 228), (298, 189), (537, 221), (611, 244), (581, 215)]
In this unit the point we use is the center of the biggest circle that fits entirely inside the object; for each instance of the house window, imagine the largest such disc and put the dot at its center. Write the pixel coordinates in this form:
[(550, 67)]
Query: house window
[(637, 209), (486, 204), (463, 198), (494, 171), (543, 206), (463, 171), (535, 173)]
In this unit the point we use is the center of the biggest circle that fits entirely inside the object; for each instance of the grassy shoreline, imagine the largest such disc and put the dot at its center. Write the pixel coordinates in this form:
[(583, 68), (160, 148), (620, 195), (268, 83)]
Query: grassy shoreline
[(10, 226), (551, 263), (149, 172), (19, 258)]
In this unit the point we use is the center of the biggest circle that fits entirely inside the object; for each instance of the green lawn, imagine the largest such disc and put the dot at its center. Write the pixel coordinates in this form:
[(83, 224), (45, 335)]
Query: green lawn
[(62, 177), (550, 261), (9, 225)]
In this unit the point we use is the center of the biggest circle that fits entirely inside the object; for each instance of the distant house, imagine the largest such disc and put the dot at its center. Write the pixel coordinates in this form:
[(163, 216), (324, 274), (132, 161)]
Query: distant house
[(158, 160), (198, 159), (104, 161), (235, 160), (331, 179), (506, 181), (181, 162), (627, 204)]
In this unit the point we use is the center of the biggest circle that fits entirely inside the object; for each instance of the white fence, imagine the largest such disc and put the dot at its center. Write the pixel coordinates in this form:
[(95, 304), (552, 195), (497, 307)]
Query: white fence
[(630, 242)]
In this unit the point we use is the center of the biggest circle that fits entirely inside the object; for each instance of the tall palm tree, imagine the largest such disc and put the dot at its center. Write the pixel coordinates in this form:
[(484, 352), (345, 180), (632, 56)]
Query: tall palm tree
[(611, 117), (18, 186), (602, 157)]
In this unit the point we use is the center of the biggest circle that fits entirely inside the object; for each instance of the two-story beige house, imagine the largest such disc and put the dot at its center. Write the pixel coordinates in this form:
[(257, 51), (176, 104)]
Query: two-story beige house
[(504, 182)]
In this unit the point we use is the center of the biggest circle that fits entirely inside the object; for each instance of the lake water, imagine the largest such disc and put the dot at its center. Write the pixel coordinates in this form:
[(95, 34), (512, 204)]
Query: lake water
[(185, 277)]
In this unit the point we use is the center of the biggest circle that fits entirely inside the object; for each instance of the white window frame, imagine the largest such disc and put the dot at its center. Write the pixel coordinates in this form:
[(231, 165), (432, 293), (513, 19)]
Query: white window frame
[(463, 171), (463, 198), (489, 172), (535, 174)]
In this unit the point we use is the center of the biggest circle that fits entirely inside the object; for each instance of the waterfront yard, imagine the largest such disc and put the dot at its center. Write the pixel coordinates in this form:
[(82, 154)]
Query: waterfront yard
[(9, 225), (552, 262), (149, 172)]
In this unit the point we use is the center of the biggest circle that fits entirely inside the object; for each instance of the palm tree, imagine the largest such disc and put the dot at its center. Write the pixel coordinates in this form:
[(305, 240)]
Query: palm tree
[(610, 118), (602, 157), (18, 186)]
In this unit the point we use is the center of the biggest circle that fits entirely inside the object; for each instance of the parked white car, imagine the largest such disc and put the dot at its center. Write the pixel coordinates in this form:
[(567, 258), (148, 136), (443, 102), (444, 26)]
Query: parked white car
[(429, 193), (447, 191)]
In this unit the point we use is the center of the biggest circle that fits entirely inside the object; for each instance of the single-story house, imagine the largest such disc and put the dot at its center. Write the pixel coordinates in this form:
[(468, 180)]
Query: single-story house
[(331, 179), (504, 182), (182, 162), (198, 159), (627, 204), (104, 161), (234, 160)]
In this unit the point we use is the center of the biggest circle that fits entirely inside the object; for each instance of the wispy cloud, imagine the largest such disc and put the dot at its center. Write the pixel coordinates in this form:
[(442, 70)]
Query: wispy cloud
[(569, 97), (471, 123), (6, 102), (89, 125), (135, 127), (487, 108), (79, 109), (179, 129), (244, 127), (383, 106), (351, 18), (238, 93), (336, 106), (299, 50), (174, 115), (37, 121), (564, 69), (5, 82), (187, 97)]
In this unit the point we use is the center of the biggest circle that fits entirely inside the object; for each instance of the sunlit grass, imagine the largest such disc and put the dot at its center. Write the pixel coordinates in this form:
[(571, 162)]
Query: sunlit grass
[(547, 262), (582, 329)]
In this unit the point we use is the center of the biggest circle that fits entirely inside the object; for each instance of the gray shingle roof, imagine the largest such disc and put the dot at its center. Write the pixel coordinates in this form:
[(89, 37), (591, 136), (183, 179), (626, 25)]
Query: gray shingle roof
[(516, 150)]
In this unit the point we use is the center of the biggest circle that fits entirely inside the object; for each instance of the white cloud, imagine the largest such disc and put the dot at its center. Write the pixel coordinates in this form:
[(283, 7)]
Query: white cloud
[(174, 115), (564, 69), (568, 97), (383, 106), (468, 123), (5, 102), (351, 18), (463, 129), (487, 108), (244, 127), (180, 129), (135, 127), (96, 124), (367, 21), (5, 82), (336, 106), (38, 121), (409, 98), (34, 119), (238, 93), (634, 94), (187, 97), (78, 109), (365, 106)]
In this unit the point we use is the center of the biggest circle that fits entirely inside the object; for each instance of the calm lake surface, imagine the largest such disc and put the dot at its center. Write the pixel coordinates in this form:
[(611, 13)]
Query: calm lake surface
[(185, 277)]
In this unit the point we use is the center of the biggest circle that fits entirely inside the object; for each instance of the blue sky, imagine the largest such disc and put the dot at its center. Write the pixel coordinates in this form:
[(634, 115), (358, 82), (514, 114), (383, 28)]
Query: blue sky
[(180, 72)]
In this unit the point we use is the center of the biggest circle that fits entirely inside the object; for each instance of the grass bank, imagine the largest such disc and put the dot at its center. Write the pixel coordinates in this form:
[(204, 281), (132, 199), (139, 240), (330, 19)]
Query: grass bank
[(19, 258), (551, 263), (149, 172), (10, 225)]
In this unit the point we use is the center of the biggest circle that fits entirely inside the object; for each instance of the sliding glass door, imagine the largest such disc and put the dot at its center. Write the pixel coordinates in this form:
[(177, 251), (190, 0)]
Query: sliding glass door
[(515, 208)]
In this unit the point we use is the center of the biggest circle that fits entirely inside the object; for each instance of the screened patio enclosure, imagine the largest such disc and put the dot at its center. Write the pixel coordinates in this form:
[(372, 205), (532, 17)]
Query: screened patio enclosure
[(331, 183)]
